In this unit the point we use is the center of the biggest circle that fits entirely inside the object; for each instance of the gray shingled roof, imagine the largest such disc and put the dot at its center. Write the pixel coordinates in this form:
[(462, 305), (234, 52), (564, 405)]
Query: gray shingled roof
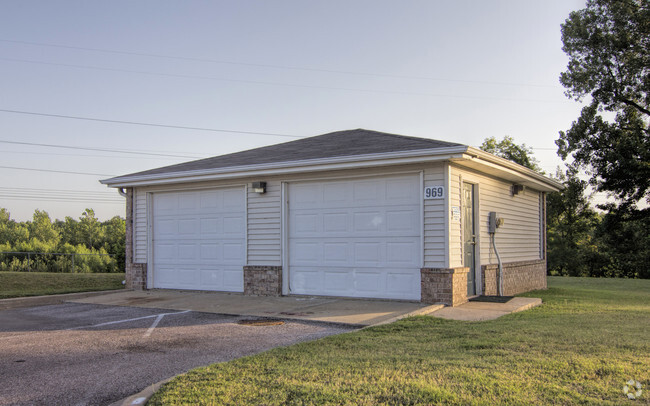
[(336, 144)]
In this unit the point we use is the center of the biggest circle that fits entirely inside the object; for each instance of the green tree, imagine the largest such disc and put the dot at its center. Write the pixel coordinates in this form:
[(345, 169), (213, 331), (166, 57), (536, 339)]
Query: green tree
[(506, 148), (42, 229), (89, 230), (10, 231), (571, 223), (68, 228), (608, 44), (114, 239)]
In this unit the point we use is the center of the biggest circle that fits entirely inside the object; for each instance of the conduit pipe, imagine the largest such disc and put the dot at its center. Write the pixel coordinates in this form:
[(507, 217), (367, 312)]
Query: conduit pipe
[(500, 278)]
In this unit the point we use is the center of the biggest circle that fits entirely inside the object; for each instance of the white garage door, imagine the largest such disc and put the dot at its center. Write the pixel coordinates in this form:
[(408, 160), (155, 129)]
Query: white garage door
[(358, 238), (199, 240)]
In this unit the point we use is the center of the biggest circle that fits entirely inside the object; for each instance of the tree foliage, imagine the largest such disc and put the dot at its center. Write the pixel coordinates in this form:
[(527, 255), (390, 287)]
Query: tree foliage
[(82, 237), (581, 241), (608, 44), (506, 148)]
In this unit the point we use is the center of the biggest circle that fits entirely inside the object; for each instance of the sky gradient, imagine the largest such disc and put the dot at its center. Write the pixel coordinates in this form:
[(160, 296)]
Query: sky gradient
[(456, 71)]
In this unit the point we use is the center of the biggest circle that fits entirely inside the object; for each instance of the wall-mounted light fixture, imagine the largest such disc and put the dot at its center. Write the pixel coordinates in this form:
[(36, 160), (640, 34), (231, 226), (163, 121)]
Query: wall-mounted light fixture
[(259, 187), (516, 189)]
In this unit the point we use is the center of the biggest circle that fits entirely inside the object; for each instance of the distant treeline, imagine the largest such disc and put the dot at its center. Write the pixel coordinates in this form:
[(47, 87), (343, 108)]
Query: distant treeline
[(87, 235)]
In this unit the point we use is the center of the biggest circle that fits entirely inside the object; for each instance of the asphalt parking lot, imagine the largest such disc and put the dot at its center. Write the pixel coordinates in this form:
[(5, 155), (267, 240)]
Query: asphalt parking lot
[(87, 354)]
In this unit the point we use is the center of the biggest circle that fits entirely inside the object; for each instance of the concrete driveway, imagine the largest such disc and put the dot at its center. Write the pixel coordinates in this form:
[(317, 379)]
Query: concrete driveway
[(354, 312), (90, 354)]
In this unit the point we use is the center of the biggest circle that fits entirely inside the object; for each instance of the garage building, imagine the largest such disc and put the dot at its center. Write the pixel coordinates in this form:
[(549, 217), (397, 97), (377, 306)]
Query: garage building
[(354, 213)]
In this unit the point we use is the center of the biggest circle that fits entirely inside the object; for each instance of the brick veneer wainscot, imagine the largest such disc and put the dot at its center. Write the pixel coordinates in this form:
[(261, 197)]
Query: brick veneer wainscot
[(260, 280), (444, 285), (136, 273), (518, 277)]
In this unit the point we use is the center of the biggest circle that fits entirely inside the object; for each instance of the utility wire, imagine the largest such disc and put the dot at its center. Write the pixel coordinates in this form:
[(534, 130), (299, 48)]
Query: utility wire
[(259, 65), (144, 124), (55, 171), (121, 151), (57, 191), (87, 155), (65, 200), (257, 82)]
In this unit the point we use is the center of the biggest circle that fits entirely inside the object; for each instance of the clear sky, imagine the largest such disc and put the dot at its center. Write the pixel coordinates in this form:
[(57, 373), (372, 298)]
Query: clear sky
[(458, 71)]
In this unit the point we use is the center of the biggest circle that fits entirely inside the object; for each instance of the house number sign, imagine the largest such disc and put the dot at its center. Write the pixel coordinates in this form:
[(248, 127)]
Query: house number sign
[(434, 192)]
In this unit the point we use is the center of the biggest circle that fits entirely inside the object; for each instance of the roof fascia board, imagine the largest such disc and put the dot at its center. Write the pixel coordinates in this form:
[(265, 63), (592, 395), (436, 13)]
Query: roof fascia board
[(493, 161), (355, 161)]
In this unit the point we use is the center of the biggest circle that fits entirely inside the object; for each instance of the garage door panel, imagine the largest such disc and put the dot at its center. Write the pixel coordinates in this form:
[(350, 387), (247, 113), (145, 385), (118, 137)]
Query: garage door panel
[(209, 201), (364, 191), (232, 199), (209, 226), (187, 202), (189, 227), (338, 282), (355, 252), (306, 252), (306, 280), (347, 223), (233, 278), (164, 251), (402, 220), (210, 251), (336, 222), (199, 240), (336, 252), (401, 282), (357, 237), (233, 252), (369, 284), (402, 253), (367, 221), (366, 253), (233, 225), (166, 227), (400, 191), (187, 253)]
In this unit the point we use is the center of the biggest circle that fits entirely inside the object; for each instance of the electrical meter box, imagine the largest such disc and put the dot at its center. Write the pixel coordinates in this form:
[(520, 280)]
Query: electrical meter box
[(494, 222)]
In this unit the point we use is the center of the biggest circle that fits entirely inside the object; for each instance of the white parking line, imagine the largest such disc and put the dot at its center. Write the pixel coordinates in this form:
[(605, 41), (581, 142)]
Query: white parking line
[(155, 323)]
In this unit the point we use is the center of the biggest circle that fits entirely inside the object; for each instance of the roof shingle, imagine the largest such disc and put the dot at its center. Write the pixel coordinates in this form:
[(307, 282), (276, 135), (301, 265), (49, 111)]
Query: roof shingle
[(335, 144)]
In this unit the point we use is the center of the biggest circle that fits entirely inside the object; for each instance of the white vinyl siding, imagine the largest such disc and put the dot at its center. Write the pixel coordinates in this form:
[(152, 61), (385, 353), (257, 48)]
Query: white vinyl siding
[(434, 220), (264, 226), (518, 239), (139, 226)]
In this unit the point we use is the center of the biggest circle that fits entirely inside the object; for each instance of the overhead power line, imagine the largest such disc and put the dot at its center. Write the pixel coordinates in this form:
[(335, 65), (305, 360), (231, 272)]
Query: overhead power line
[(260, 65), (120, 151), (55, 171), (85, 155), (145, 124), (63, 199), (259, 82), (59, 191)]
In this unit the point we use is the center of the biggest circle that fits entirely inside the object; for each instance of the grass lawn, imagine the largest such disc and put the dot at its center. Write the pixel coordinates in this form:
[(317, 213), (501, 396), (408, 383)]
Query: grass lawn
[(580, 347), (19, 284)]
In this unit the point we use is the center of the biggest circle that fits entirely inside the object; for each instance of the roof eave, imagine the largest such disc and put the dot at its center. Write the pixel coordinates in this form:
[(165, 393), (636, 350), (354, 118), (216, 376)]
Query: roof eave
[(508, 168), (311, 165)]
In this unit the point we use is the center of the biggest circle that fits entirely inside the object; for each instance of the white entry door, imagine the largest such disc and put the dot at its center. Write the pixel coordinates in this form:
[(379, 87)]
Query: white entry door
[(199, 240), (356, 238)]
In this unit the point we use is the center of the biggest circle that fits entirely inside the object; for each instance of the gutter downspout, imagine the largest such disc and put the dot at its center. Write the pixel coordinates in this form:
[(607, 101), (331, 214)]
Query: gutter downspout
[(121, 191)]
